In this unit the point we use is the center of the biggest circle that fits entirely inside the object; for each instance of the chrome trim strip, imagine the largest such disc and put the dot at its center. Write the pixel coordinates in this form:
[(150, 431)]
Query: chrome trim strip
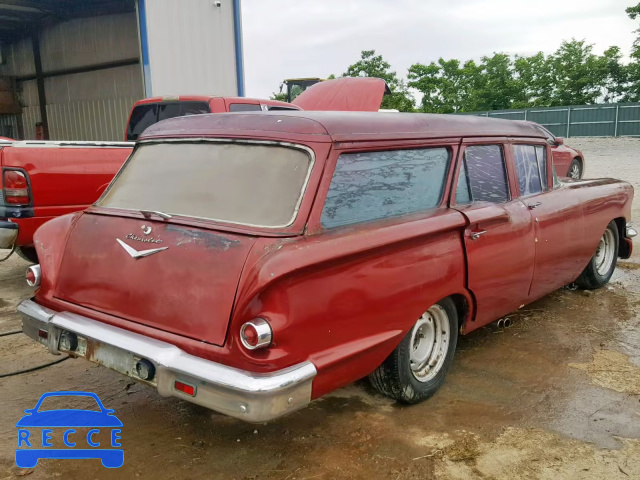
[(296, 210), (252, 397)]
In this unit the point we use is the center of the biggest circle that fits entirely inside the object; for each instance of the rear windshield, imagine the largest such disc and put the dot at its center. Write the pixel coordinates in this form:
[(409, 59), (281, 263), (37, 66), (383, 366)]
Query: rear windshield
[(242, 183), (145, 115)]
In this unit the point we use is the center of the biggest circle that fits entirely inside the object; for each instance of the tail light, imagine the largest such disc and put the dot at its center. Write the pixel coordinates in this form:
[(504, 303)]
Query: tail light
[(16, 188), (34, 276), (256, 334)]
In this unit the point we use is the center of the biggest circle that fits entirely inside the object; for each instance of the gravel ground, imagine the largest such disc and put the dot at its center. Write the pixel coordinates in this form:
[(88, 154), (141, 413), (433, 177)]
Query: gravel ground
[(556, 396)]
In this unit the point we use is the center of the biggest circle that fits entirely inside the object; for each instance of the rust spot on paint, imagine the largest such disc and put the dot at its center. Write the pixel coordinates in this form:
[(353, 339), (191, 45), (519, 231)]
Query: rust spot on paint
[(207, 239)]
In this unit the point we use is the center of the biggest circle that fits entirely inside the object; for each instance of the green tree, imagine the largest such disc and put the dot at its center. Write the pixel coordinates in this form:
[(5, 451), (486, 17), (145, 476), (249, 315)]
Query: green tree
[(444, 85), (534, 79), (633, 13), (496, 87), (616, 75), (372, 65), (281, 96), (632, 90), (578, 75), (449, 87)]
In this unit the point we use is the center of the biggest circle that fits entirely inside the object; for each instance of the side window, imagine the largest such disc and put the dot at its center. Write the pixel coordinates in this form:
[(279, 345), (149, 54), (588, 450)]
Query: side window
[(181, 109), (145, 115), (556, 181), (463, 193), (541, 155), (244, 107), (531, 168), (374, 185), (483, 176), (142, 116)]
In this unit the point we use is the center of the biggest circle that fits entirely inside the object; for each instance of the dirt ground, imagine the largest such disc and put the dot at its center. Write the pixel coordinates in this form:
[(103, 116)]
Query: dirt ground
[(555, 396)]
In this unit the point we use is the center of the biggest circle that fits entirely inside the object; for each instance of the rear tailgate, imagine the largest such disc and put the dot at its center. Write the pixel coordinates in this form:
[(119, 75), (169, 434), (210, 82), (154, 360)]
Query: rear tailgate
[(66, 174), (187, 289)]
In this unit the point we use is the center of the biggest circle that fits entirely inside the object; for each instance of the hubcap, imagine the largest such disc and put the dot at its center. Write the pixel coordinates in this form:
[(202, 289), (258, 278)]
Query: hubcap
[(575, 171), (605, 253), (429, 343)]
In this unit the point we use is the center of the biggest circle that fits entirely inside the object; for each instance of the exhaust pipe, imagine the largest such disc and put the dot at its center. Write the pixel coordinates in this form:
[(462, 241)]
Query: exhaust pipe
[(504, 323)]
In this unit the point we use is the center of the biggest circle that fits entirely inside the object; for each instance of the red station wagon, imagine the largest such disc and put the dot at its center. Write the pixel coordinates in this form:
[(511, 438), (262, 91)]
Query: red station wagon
[(251, 263)]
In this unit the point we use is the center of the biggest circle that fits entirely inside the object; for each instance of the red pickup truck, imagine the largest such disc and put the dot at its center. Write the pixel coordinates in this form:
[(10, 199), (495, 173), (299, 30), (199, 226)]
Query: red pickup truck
[(42, 179)]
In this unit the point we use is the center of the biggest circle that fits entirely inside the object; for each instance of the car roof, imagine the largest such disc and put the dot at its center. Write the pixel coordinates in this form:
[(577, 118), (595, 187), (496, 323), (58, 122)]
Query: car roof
[(340, 126)]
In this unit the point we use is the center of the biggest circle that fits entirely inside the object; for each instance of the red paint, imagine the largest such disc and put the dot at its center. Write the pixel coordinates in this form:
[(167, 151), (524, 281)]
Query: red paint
[(361, 94), (563, 155), (131, 291), (342, 299)]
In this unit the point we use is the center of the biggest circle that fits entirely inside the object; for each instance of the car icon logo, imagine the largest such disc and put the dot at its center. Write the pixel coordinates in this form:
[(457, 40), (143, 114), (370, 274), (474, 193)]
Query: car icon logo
[(39, 428)]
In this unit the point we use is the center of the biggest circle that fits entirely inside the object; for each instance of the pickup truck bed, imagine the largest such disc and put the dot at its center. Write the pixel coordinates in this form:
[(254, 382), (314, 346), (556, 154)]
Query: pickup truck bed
[(60, 178)]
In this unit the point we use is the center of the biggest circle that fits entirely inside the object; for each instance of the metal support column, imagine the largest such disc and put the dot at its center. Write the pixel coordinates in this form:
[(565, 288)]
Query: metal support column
[(615, 127), (42, 98)]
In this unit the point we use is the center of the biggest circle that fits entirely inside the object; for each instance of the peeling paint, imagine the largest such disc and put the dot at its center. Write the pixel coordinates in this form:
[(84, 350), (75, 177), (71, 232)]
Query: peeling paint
[(209, 240)]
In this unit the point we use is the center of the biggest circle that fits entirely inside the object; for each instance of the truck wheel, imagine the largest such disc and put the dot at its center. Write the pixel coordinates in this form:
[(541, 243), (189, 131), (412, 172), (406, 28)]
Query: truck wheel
[(575, 169), (603, 263), (28, 253), (418, 366)]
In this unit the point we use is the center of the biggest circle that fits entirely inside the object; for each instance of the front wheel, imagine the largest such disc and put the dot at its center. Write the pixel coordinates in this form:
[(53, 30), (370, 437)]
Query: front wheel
[(418, 366), (601, 266)]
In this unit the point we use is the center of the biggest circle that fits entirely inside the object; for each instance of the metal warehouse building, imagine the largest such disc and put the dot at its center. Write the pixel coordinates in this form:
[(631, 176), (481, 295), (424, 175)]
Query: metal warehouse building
[(71, 69)]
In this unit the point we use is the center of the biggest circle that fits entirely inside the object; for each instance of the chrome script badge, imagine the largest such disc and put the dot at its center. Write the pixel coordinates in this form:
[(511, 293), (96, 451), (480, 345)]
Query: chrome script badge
[(136, 254)]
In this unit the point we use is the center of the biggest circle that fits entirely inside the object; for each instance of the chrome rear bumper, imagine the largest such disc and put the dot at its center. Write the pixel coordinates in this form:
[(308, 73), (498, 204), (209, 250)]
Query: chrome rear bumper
[(8, 234), (248, 396)]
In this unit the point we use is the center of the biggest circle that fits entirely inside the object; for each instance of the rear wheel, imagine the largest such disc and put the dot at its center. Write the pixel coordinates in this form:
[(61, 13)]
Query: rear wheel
[(601, 266), (28, 253), (419, 364), (575, 169)]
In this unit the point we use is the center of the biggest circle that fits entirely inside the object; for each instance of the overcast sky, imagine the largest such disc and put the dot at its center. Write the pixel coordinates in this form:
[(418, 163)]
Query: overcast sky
[(304, 38)]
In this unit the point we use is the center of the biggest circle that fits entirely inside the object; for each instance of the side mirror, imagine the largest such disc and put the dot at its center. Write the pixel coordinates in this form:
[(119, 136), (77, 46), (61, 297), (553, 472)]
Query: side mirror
[(558, 141)]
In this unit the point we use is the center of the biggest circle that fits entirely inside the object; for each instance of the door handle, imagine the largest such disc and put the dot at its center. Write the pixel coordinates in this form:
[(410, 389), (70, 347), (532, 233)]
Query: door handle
[(477, 235), (534, 205)]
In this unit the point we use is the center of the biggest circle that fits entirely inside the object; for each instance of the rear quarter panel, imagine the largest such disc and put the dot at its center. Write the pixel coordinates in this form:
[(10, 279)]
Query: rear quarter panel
[(344, 300), (602, 200)]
